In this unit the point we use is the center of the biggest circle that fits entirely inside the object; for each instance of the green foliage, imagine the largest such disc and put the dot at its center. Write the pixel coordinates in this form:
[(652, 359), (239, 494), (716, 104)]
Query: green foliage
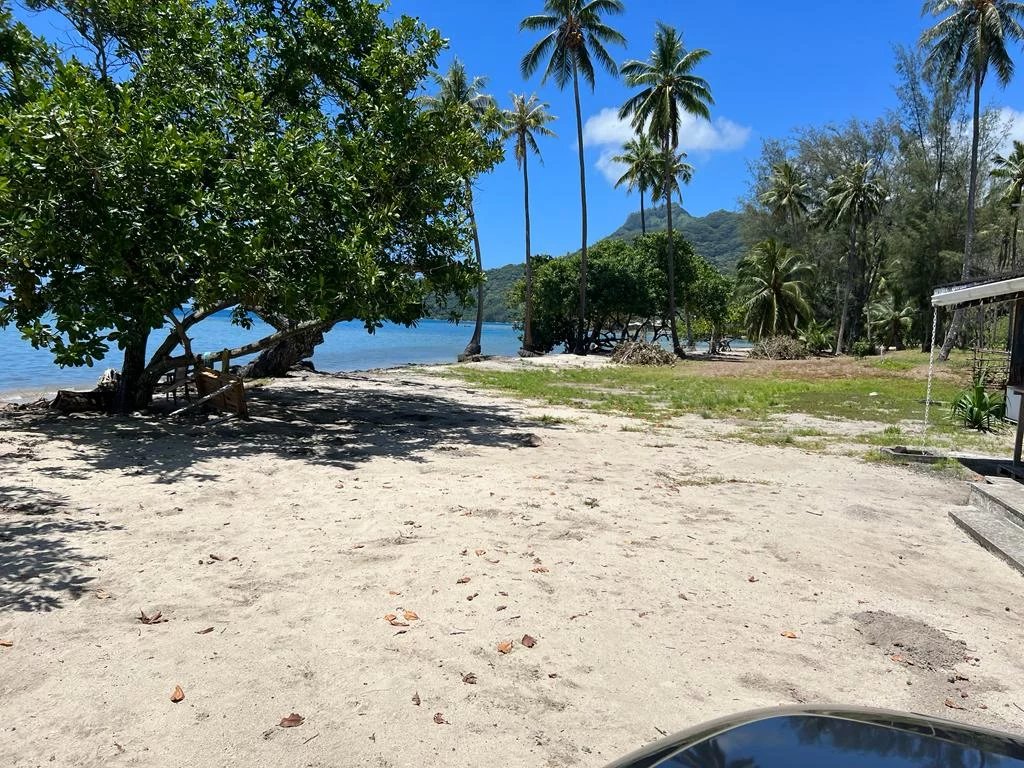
[(717, 237), (977, 408), (779, 348), (274, 160), (770, 283), (819, 338), (863, 348)]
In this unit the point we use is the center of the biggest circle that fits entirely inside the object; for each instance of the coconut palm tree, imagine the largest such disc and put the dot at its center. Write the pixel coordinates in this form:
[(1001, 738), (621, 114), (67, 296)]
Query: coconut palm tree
[(668, 89), (577, 35), (679, 172), (788, 196), (457, 91), (854, 199), (770, 282), (1010, 170), (639, 155), (527, 120), (890, 321), (966, 44)]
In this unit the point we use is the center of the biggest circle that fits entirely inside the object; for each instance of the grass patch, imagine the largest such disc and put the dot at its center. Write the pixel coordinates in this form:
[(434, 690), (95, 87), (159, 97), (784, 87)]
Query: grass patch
[(548, 420)]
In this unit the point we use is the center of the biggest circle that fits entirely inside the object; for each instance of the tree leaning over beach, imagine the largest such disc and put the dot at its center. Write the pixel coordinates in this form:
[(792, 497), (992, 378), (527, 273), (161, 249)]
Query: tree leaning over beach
[(527, 120), (972, 40), (668, 89), (225, 157), (576, 36)]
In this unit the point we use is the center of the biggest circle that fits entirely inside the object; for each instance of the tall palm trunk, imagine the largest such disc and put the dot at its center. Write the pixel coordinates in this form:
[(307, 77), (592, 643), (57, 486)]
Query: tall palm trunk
[(528, 317), (1013, 239), (473, 348), (643, 217), (581, 341), (671, 266), (972, 193), (844, 317)]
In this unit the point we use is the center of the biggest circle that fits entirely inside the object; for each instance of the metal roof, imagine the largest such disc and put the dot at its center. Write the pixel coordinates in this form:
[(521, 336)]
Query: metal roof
[(979, 293)]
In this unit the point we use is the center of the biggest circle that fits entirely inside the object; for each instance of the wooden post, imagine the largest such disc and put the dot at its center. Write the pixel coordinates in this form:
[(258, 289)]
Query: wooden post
[(225, 362)]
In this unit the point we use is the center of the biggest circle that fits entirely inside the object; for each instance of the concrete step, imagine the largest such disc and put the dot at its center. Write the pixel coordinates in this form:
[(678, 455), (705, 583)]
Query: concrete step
[(995, 529), (1000, 495)]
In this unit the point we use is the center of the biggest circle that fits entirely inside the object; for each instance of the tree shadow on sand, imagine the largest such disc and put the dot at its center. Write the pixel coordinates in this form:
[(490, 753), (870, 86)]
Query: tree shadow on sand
[(39, 565), (340, 428)]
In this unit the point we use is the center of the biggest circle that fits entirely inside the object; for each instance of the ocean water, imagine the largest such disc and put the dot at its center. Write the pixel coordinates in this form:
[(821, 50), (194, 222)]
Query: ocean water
[(28, 373)]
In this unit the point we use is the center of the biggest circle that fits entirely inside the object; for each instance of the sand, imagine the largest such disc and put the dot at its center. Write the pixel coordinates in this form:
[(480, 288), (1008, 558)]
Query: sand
[(657, 571)]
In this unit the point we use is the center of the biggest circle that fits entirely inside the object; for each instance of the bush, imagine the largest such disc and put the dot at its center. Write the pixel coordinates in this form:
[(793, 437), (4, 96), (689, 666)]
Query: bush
[(819, 338), (976, 408), (642, 353), (780, 348), (863, 349)]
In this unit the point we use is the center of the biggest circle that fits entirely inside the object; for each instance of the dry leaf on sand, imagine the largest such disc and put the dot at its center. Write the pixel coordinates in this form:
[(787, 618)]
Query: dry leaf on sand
[(790, 635), (293, 720), (178, 694), (439, 719), (411, 616), (416, 698), (469, 678), (505, 647), (528, 641)]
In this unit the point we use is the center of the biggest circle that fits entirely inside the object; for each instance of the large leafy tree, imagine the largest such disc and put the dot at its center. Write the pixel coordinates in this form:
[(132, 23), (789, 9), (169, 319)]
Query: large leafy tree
[(457, 92), (770, 283), (576, 36), (1010, 171), (191, 157), (854, 199), (640, 158), (523, 123), (668, 89), (972, 39)]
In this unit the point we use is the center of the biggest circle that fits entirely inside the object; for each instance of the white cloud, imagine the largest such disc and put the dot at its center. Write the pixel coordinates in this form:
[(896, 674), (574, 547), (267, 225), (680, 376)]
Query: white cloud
[(1013, 122), (606, 131)]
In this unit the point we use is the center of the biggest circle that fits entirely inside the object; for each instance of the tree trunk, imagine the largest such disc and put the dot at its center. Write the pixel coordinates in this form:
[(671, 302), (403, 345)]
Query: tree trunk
[(671, 264), (581, 341), (280, 358), (844, 318), (972, 193), (1013, 240), (689, 329), (473, 348), (528, 315), (643, 217), (135, 389)]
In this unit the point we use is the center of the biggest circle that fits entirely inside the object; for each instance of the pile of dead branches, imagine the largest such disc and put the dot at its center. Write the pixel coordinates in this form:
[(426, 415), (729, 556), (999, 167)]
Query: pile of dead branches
[(642, 353)]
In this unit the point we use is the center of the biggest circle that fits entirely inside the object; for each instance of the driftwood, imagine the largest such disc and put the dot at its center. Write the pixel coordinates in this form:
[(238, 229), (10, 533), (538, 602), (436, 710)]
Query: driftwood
[(69, 401), (223, 391)]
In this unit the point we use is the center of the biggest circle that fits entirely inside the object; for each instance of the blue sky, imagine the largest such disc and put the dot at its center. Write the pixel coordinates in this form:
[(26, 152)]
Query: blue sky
[(774, 66)]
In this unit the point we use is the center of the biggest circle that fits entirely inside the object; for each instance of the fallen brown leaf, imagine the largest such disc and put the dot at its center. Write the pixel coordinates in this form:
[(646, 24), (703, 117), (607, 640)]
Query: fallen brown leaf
[(528, 641), (480, 552), (505, 647), (397, 623), (416, 698), (469, 679), (102, 594), (540, 569), (411, 616), (6, 643), (393, 593), (952, 704), (463, 580), (790, 635), (156, 618), (752, 579), (439, 719), (206, 631), (389, 617), (292, 720), (501, 608), (178, 694)]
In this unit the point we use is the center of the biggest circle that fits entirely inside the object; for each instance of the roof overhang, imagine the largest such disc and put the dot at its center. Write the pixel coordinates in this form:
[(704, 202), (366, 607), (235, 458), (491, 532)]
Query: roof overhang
[(979, 293)]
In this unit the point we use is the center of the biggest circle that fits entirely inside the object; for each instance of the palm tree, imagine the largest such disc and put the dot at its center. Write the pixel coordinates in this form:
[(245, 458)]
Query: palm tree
[(668, 89), (1011, 170), (639, 155), (770, 281), (788, 196), (457, 91), (854, 199), (890, 321), (966, 44), (678, 172), (576, 35), (527, 119)]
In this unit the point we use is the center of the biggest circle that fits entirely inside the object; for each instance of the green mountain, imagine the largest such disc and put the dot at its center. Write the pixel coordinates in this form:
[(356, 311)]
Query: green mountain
[(716, 237)]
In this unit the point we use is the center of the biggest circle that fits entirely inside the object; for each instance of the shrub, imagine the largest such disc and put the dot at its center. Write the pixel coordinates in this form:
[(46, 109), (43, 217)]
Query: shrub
[(818, 337), (642, 353), (863, 349), (977, 408), (779, 348)]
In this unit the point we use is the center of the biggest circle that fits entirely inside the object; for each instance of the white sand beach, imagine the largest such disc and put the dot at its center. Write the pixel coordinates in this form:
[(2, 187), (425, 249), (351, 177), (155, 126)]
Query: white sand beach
[(657, 570)]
